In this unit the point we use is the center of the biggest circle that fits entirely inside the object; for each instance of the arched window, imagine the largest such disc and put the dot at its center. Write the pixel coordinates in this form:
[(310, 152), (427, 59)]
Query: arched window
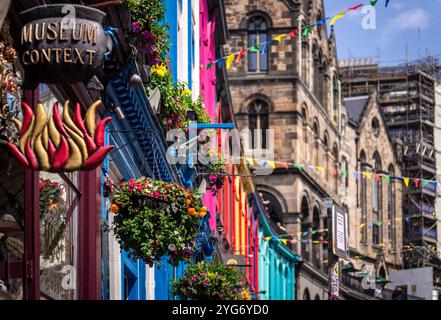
[(335, 166), (391, 208), (306, 295), (325, 89), (315, 130), (305, 131), (257, 35), (363, 185), (305, 227), (273, 206), (258, 123), (316, 69), (326, 152), (377, 199), (335, 101), (305, 63), (316, 225)]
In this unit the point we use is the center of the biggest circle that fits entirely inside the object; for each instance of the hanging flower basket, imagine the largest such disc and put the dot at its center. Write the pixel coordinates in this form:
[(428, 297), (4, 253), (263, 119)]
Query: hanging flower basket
[(211, 281), (155, 219)]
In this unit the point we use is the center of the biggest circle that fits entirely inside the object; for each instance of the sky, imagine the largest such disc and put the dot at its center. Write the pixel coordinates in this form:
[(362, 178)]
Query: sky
[(412, 23)]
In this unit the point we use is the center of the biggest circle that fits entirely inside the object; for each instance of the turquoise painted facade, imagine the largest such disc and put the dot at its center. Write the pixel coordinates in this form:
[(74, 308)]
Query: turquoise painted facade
[(277, 264)]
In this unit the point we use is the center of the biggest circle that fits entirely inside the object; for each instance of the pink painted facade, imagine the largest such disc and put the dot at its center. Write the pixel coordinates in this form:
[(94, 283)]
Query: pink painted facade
[(208, 84)]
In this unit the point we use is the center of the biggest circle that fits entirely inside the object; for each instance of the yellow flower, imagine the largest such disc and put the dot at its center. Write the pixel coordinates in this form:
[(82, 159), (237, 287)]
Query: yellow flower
[(191, 211), (186, 92), (160, 70), (204, 209), (202, 214)]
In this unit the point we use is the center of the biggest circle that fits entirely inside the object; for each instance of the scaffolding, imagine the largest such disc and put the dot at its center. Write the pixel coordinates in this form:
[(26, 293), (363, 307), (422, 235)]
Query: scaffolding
[(406, 93)]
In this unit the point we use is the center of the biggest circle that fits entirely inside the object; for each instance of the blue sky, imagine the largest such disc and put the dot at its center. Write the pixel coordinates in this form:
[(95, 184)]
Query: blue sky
[(396, 26)]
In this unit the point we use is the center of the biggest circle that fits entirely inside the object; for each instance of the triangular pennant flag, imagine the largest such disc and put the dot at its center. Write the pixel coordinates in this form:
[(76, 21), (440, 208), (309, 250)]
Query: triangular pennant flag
[(250, 161), (321, 21), (284, 241), (355, 7), (298, 166), (310, 168), (377, 177), (262, 163), (299, 233), (356, 175), (337, 17), (387, 178), (267, 238), (209, 65), (219, 63), (321, 169), (264, 48), (379, 223), (406, 182), (416, 182), (362, 225), (333, 171), (307, 30), (374, 2), (230, 60), (425, 182), (255, 48), (387, 3), (284, 165), (367, 175), (344, 173), (280, 37), (240, 55), (293, 33), (272, 164)]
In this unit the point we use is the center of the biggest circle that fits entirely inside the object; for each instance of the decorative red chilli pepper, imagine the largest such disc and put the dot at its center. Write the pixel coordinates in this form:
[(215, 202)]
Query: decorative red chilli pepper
[(91, 147), (52, 151), (97, 158), (28, 114), (18, 155), (30, 155), (100, 132), (61, 156), (58, 121)]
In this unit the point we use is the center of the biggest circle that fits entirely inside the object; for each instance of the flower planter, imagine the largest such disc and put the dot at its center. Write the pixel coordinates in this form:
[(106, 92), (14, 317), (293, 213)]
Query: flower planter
[(155, 219)]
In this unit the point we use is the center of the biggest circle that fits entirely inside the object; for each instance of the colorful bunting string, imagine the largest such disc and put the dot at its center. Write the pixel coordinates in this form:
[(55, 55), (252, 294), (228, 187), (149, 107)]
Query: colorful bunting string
[(263, 47)]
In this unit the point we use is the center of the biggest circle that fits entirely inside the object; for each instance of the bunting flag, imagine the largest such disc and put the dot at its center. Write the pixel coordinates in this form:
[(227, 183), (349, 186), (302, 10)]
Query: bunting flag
[(230, 60), (293, 33), (262, 163), (356, 175), (387, 3), (264, 48), (374, 2), (406, 182), (307, 30), (355, 7), (284, 165), (333, 171), (280, 37), (250, 161), (219, 63), (284, 241), (209, 65), (321, 169), (272, 164), (377, 178), (321, 21), (416, 182), (344, 173), (255, 48), (387, 178), (240, 55), (337, 17), (367, 175), (362, 225), (298, 166)]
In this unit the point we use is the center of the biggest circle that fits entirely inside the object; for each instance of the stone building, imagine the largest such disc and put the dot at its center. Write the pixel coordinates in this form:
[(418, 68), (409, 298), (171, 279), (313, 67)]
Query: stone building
[(293, 88)]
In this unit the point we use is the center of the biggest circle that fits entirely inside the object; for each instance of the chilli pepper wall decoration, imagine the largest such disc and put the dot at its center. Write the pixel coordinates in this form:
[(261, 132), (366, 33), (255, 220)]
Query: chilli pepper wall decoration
[(59, 143)]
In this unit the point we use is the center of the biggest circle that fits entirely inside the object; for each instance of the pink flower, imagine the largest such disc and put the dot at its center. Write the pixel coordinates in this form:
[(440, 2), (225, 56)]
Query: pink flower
[(156, 194), (212, 178), (140, 187), (136, 27), (132, 183)]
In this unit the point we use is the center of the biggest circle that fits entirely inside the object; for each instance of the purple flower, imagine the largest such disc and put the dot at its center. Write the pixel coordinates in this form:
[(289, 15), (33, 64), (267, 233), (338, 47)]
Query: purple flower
[(146, 35), (136, 26)]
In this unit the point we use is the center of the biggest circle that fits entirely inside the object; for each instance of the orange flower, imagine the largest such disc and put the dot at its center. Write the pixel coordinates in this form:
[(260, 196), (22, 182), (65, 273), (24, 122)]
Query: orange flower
[(191, 211), (188, 202), (202, 214), (114, 208), (204, 209)]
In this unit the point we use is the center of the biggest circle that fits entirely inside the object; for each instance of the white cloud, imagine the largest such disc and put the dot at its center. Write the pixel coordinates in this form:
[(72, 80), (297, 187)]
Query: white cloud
[(408, 20)]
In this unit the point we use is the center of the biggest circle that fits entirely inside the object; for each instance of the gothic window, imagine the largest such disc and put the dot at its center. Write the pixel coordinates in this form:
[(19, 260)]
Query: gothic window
[(377, 197), (304, 227), (326, 151), (305, 63), (305, 131), (335, 166), (315, 130), (391, 209), (335, 95), (258, 35), (258, 123), (364, 193)]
